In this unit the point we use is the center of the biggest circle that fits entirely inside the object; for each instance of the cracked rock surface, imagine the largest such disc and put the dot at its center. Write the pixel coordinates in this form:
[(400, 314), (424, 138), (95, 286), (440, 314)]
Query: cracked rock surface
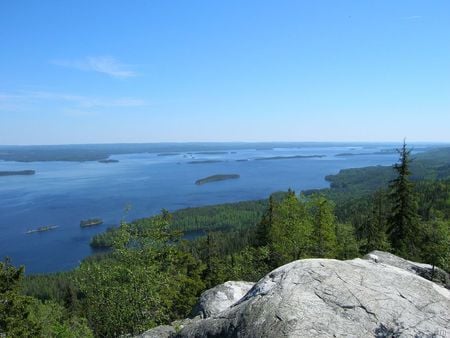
[(331, 298), (424, 270)]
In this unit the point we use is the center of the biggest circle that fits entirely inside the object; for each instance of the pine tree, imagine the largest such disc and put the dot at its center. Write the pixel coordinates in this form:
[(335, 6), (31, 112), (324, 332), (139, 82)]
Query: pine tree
[(403, 219)]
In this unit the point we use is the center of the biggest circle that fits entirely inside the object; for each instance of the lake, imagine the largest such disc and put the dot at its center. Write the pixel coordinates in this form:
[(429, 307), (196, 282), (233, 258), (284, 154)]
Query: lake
[(64, 193)]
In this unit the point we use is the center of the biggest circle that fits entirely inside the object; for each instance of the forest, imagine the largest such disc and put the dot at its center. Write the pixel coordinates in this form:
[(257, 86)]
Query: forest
[(152, 276)]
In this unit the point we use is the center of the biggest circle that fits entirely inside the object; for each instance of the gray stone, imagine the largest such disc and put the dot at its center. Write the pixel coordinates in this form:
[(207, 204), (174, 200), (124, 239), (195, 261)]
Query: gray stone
[(331, 298), (424, 270), (220, 298), (163, 331)]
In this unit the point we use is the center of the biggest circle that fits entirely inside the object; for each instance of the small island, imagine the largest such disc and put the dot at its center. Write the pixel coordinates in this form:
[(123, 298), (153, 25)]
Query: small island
[(210, 153), (168, 154), (17, 172), (42, 229), (205, 161), (288, 157), (217, 178), (108, 160), (91, 222)]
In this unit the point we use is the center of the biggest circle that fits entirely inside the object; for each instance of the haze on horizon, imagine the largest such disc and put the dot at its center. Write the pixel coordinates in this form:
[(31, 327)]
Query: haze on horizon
[(115, 71)]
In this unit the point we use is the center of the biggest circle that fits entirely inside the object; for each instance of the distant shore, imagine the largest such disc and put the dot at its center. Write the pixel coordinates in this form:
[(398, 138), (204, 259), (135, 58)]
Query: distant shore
[(96, 152), (287, 157)]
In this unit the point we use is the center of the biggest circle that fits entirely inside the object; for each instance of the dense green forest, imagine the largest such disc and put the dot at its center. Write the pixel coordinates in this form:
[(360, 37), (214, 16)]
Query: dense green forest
[(215, 217), (151, 276)]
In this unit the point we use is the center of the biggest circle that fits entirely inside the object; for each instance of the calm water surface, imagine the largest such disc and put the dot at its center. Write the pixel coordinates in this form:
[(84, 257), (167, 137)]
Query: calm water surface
[(63, 193)]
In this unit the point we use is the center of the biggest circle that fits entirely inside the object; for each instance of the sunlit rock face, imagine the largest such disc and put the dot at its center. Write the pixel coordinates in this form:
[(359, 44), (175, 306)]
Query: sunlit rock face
[(426, 271), (221, 297), (331, 298)]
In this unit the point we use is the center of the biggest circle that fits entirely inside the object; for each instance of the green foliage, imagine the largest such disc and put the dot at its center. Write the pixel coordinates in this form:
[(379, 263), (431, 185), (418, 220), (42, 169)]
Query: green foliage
[(358, 183), (323, 239), (373, 230), (346, 244), (262, 237), (149, 281), (290, 231), (15, 318), (54, 321), (433, 199), (54, 286), (25, 316), (403, 219), (230, 216), (436, 244)]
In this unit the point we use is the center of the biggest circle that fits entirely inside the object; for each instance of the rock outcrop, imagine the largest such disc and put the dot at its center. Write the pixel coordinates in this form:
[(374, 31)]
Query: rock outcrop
[(331, 298), (219, 298), (424, 270)]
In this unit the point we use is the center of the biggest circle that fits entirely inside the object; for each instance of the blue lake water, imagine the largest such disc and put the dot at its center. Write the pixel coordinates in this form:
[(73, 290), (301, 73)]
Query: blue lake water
[(63, 193)]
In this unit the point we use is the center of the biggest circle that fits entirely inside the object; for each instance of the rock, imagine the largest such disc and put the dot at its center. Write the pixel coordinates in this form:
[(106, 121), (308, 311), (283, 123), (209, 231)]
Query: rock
[(163, 331), (331, 298), (167, 331), (372, 257), (220, 298), (424, 270)]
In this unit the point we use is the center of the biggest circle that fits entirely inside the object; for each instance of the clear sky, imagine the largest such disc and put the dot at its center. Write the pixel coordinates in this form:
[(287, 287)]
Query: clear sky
[(88, 71)]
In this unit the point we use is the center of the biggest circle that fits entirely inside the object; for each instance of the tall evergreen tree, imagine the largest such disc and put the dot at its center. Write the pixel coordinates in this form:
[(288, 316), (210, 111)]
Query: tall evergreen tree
[(324, 242), (263, 227), (403, 219)]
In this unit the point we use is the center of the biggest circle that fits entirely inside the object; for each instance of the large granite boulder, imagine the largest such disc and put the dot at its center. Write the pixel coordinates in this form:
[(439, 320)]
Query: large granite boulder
[(219, 298), (331, 298)]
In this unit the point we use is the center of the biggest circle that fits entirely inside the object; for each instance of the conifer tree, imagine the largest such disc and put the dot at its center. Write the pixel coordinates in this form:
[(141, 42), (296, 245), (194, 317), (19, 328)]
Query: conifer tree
[(323, 228), (436, 248), (374, 232), (290, 231), (403, 219), (263, 227)]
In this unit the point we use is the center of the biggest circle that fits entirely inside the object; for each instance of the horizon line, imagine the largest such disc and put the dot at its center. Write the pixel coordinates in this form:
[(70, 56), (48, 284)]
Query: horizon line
[(221, 142)]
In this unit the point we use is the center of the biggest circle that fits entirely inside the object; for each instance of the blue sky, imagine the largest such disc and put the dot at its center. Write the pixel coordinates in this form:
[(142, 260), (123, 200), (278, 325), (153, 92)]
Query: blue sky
[(151, 71)]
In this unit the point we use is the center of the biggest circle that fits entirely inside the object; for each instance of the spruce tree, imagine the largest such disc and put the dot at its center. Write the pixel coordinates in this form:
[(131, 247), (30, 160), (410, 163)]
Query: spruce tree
[(263, 227), (324, 243), (403, 219)]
